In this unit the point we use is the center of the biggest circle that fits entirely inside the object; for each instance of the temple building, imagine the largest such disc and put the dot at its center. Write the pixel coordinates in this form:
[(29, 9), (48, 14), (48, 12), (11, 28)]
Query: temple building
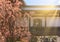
[(44, 22)]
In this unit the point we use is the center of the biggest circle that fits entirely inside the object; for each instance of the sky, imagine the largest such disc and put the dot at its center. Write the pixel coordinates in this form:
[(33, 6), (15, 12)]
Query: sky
[(42, 2)]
